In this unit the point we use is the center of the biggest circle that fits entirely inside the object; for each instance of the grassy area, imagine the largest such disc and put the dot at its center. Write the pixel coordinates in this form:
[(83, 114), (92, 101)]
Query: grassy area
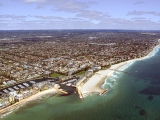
[(56, 75), (106, 67), (81, 73)]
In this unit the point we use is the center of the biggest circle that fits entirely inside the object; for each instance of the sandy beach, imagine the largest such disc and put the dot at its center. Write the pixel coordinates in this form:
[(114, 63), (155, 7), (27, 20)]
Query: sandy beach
[(93, 85), (31, 98)]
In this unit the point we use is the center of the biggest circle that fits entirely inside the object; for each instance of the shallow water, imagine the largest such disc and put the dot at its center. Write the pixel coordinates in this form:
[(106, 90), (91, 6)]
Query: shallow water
[(134, 96)]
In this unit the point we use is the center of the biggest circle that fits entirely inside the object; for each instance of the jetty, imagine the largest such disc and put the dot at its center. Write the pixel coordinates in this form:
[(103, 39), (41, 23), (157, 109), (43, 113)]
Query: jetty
[(57, 87), (80, 93)]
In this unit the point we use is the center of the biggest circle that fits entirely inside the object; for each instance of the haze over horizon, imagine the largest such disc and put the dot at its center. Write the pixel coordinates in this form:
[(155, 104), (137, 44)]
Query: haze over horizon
[(79, 14)]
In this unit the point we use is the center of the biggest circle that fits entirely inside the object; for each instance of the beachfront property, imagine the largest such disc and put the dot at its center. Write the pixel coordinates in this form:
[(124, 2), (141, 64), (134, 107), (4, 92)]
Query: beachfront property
[(21, 91), (26, 58), (10, 96)]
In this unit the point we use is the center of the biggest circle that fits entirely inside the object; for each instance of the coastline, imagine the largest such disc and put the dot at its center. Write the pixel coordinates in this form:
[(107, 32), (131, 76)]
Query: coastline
[(22, 102), (93, 85)]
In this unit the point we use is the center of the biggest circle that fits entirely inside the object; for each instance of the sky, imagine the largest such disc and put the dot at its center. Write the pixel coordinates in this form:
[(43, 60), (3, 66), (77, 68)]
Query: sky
[(79, 14)]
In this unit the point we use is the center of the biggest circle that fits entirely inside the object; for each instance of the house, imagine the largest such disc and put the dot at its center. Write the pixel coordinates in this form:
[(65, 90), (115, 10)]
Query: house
[(89, 73), (19, 97)]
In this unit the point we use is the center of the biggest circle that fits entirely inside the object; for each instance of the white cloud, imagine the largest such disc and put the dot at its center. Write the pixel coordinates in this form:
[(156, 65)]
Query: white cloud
[(34, 1), (138, 18), (12, 17), (82, 18), (93, 15), (60, 5), (143, 13), (51, 22), (57, 19), (135, 24), (69, 5), (138, 2)]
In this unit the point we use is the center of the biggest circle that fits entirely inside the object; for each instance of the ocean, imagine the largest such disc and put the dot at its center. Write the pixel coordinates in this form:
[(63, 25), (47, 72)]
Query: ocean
[(133, 96)]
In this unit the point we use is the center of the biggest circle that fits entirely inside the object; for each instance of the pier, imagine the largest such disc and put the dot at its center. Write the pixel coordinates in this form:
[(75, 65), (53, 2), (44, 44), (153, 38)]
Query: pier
[(62, 91), (79, 93), (103, 92)]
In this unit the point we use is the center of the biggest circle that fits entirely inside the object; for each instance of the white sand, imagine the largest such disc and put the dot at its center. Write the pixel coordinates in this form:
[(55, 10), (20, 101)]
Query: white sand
[(40, 94), (94, 83), (91, 86)]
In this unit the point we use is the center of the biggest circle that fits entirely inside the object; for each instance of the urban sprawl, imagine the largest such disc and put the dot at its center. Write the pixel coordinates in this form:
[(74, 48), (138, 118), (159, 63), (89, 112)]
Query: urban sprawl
[(63, 54)]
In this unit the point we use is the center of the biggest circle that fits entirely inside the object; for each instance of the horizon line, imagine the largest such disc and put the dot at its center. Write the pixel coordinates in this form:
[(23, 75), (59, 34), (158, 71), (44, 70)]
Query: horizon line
[(79, 29)]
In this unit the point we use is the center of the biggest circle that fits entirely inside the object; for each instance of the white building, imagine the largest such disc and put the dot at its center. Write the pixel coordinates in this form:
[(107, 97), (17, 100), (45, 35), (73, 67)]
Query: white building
[(19, 97)]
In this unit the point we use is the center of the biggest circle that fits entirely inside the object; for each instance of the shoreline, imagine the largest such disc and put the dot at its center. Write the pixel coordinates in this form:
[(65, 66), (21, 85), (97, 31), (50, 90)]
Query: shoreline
[(95, 82), (93, 85), (26, 100)]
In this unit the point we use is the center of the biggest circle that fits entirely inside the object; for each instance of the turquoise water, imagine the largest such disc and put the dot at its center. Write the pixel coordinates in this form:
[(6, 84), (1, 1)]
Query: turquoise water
[(127, 100)]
